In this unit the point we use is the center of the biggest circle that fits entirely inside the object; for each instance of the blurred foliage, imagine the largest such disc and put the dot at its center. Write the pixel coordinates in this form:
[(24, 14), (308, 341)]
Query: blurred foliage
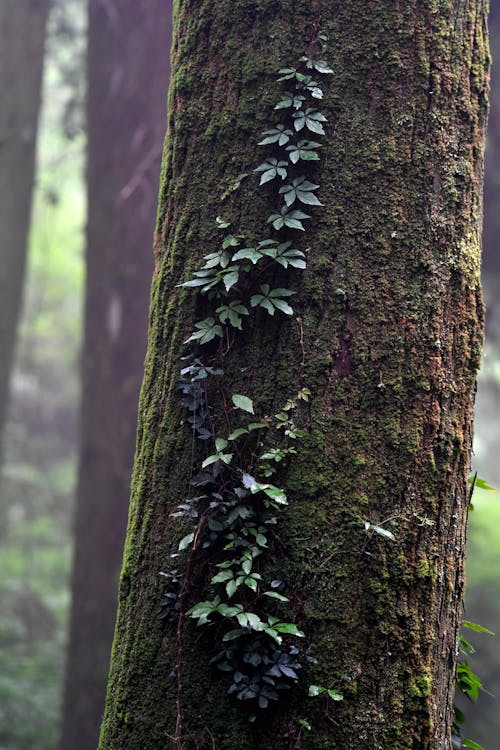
[(39, 471), (483, 605)]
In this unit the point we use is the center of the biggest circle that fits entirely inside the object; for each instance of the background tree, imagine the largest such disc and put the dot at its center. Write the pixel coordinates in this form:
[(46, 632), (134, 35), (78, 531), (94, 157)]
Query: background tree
[(40, 434), (127, 66), (392, 318), (22, 41)]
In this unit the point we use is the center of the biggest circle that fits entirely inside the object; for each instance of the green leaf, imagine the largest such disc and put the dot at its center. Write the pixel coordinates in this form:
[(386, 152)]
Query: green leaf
[(335, 696), (220, 444), (222, 223), (193, 283), (300, 189), (280, 135), (256, 426), (224, 457), (315, 127), (472, 744), (383, 532), (270, 300), (186, 541), (280, 292), (276, 494), (379, 530), (232, 313), (315, 690), (276, 595), (286, 256), (305, 150), (476, 628), (210, 460), (230, 279), (255, 622), (208, 329), (481, 484), (251, 583), (321, 66), (290, 100), (311, 119), (227, 610), (289, 628), (242, 619), (220, 258), (203, 608), (242, 402), (224, 575), (292, 219), (271, 168), (230, 241), (248, 253), (304, 723), (283, 306), (274, 634), (286, 74), (231, 588), (238, 433)]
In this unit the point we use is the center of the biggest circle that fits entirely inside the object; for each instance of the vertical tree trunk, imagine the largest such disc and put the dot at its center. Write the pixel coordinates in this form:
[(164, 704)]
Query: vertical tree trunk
[(392, 316), (22, 41), (491, 262), (128, 70)]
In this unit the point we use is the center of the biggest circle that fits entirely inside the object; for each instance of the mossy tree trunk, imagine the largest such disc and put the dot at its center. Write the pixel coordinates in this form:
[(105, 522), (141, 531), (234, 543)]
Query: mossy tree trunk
[(22, 44), (392, 315), (128, 73)]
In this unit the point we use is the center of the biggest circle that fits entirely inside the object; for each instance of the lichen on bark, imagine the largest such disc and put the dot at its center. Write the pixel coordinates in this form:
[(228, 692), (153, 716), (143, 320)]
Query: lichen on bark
[(392, 314)]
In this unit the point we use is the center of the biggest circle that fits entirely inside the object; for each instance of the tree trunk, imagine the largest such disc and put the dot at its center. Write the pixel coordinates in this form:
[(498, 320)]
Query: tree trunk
[(128, 69), (22, 42), (491, 261), (392, 319)]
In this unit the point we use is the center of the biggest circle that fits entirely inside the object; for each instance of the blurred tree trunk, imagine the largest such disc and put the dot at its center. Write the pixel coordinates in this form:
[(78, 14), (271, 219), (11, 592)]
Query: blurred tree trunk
[(22, 43), (128, 70), (392, 315), (491, 240)]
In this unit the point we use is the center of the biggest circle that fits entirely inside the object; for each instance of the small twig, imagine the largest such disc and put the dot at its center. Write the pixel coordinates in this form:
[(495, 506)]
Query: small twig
[(138, 176), (302, 348)]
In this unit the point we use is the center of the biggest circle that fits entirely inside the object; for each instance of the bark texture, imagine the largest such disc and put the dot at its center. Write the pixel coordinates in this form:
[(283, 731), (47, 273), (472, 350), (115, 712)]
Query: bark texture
[(128, 71), (393, 317), (22, 43)]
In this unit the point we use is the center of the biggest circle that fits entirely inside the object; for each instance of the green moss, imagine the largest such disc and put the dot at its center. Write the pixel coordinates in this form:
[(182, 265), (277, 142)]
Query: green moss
[(420, 686)]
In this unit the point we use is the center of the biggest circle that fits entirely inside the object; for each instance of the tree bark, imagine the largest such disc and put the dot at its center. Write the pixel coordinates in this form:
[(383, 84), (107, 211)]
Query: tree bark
[(392, 314), (22, 43), (128, 70)]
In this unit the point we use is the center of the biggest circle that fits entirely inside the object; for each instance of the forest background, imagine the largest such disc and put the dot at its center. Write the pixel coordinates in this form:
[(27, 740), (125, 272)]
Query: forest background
[(39, 473)]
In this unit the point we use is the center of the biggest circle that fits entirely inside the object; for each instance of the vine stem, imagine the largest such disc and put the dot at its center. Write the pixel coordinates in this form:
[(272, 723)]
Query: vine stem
[(302, 348)]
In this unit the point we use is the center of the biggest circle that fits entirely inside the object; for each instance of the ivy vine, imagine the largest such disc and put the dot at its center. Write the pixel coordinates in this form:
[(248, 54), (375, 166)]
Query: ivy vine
[(234, 506)]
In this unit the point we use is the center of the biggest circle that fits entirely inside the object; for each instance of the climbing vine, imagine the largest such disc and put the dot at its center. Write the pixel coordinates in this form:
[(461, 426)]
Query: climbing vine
[(234, 504)]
